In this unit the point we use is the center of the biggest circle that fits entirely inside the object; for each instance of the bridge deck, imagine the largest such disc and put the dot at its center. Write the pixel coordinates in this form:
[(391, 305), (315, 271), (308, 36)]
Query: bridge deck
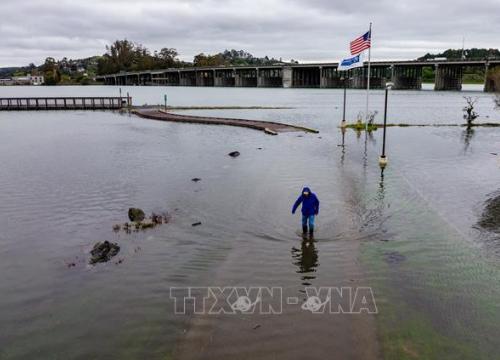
[(266, 126)]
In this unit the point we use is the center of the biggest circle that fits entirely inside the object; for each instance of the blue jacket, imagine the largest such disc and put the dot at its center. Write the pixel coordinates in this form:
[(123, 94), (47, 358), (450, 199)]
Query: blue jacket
[(310, 203)]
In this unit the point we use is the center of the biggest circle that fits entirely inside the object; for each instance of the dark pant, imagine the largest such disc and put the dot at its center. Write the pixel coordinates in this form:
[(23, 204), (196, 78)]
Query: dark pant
[(306, 219)]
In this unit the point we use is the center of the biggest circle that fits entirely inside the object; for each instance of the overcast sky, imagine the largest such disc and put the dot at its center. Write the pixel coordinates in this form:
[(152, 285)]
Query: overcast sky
[(305, 30)]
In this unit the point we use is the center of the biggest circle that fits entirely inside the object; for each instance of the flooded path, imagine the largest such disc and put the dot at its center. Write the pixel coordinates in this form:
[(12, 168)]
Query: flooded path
[(292, 262), (268, 127)]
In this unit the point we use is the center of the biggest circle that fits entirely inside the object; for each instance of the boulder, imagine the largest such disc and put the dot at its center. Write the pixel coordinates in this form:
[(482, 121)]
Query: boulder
[(234, 153), (136, 214), (490, 218), (103, 252), (394, 257)]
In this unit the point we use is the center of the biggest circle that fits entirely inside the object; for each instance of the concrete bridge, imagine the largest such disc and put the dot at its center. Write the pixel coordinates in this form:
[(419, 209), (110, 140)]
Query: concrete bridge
[(404, 75)]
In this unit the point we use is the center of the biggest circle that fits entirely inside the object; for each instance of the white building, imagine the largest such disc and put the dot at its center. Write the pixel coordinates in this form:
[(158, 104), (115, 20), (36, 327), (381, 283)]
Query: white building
[(37, 79), (24, 80)]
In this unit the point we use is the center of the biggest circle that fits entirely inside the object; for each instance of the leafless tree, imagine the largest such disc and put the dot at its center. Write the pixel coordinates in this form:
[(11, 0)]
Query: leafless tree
[(469, 114), (371, 117)]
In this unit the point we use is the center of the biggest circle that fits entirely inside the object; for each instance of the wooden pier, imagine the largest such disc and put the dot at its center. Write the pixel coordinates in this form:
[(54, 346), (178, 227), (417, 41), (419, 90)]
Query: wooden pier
[(65, 103)]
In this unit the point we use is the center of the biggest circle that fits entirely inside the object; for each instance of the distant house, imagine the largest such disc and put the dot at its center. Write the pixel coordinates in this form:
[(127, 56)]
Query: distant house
[(6, 81), (37, 79), (23, 80)]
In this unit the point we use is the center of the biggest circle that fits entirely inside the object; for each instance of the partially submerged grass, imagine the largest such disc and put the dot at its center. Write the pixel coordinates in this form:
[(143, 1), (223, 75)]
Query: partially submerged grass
[(195, 107), (371, 127), (361, 126)]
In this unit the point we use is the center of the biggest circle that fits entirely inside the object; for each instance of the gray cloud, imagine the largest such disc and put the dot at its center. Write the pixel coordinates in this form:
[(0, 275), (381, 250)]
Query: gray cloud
[(314, 30)]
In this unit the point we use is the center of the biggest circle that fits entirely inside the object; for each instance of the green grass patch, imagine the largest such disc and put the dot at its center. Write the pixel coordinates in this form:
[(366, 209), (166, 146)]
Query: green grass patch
[(361, 126)]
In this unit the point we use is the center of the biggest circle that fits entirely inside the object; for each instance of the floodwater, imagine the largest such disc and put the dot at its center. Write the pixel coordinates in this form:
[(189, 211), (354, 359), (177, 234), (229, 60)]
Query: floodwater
[(413, 234)]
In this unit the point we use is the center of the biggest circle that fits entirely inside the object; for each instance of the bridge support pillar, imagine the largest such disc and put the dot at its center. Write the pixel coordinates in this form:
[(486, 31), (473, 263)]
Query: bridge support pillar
[(287, 77), (198, 78), (322, 78), (261, 79), (330, 78), (237, 79), (378, 78), (407, 77), (448, 77), (246, 78), (492, 78), (172, 78), (224, 77), (307, 77), (269, 77), (187, 78)]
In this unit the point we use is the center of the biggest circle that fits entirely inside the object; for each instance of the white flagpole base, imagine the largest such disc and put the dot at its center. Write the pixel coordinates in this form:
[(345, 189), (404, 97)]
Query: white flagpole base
[(382, 161)]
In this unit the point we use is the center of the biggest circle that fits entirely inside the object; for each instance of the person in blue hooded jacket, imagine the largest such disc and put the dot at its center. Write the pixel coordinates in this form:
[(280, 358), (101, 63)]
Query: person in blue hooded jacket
[(310, 208)]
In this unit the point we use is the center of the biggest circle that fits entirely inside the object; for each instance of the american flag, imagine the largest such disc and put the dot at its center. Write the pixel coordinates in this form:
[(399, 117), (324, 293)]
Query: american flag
[(361, 43)]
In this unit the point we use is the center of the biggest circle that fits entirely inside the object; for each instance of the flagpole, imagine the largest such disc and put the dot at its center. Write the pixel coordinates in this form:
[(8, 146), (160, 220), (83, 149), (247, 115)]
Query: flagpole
[(368, 78)]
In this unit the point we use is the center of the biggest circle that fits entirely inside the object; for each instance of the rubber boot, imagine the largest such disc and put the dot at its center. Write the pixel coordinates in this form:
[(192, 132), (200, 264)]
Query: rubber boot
[(311, 231), (304, 229)]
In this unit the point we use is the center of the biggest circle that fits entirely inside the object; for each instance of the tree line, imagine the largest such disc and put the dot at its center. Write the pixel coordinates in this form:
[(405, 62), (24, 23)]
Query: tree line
[(466, 54), (472, 74), (124, 55)]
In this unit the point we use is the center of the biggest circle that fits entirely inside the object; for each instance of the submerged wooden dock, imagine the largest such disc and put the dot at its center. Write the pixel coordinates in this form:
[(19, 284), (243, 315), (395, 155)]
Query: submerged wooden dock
[(65, 103), (272, 128)]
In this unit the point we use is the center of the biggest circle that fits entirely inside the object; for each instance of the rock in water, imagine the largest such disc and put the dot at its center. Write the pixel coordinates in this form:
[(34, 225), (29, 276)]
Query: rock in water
[(103, 252), (136, 214), (490, 218), (234, 153), (394, 257), (195, 179)]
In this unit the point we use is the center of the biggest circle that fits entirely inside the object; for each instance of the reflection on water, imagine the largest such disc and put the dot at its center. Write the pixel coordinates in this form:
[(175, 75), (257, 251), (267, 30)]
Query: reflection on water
[(306, 259), (467, 136)]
